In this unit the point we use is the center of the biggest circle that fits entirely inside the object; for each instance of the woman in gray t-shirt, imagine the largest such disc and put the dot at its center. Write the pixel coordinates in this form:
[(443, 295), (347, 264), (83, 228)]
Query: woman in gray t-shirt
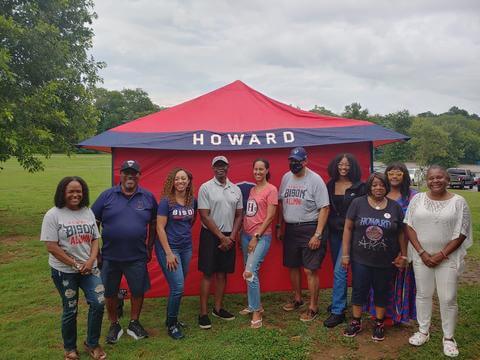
[(71, 236)]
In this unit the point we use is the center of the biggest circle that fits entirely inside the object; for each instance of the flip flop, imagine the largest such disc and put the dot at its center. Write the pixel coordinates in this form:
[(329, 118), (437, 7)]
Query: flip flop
[(71, 355), (256, 324), (96, 353)]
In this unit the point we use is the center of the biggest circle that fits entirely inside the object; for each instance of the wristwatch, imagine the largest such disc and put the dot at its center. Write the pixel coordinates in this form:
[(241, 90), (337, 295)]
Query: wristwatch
[(318, 235), (257, 235)]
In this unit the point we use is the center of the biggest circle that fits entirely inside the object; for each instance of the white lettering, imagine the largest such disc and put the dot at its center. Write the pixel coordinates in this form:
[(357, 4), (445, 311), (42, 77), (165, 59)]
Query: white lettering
[(216, 139), (270, 138), (288, 137), (197, 139), (235, 139), (254, 139)]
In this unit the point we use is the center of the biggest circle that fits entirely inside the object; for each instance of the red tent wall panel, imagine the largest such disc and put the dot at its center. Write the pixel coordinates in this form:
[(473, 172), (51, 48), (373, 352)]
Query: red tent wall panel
[(157, 163)]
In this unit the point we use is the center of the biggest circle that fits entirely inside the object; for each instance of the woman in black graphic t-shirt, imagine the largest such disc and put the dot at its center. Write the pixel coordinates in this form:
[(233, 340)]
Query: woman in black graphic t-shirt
[(373, 240)]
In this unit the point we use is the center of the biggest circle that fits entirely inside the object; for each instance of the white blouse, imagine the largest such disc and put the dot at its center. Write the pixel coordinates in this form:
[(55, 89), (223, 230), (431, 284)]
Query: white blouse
[(437, 223)]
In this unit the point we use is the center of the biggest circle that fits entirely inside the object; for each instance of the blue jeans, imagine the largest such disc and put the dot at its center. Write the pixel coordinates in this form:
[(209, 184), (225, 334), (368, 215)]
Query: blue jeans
[(68, 285), (339, 291), (175, 278), (252, 263)]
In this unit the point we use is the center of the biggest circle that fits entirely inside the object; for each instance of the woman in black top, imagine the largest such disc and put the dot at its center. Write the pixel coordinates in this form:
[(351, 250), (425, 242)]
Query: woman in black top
[(344, 186), (373, 240)]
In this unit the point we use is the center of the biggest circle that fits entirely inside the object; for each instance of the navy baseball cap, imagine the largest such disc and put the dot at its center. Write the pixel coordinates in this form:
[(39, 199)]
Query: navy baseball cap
[(299, 154), (130, 164)]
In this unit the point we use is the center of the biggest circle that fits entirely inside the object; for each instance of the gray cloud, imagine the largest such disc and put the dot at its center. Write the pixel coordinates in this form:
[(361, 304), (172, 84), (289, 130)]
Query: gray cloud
[(416, 55)]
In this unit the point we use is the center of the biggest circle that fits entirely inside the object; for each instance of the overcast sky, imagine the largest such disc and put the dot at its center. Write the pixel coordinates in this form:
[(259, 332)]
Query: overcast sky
[(388, 55)]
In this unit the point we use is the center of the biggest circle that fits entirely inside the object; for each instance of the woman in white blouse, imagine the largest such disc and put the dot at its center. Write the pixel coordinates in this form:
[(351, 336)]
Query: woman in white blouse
[(440, 232)]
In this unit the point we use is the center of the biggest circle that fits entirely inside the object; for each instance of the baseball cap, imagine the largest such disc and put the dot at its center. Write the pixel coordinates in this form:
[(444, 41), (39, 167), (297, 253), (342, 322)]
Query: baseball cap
[(299, 154), (130, 164), (219, 158)]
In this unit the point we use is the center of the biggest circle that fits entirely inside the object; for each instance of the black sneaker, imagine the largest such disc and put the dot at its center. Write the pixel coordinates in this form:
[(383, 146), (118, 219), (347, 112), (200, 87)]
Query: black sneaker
[(114, 333), (378, 331), (334, 320), (136, 330), (353, 328), (204, 322), (223, 314), (175, 332)]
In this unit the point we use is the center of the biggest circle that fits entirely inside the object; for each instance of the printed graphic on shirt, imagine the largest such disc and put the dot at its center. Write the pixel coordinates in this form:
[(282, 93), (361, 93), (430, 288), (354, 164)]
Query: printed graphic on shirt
[(139, 205), (182, 213), (251, 208), (77, 232), (294, 194), (374, 237)]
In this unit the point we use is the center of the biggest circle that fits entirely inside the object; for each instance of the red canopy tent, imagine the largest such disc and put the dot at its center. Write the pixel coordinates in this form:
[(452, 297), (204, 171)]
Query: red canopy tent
[(242, 124)]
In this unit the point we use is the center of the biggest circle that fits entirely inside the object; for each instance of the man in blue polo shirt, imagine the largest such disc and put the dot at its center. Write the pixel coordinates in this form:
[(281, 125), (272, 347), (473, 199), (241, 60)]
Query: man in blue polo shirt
[(127, 214)]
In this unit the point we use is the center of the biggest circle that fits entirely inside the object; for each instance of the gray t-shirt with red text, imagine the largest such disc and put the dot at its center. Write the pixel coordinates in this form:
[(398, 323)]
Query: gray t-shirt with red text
[(73, 230), (302, 198)]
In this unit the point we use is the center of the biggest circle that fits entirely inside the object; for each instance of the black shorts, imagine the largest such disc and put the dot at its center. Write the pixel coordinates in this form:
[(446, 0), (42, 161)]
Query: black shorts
[(296, 252), (365, 277), (210, 258)]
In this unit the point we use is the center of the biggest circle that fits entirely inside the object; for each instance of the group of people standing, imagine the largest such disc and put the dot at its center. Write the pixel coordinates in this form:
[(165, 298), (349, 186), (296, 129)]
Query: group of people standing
[(395, 241)]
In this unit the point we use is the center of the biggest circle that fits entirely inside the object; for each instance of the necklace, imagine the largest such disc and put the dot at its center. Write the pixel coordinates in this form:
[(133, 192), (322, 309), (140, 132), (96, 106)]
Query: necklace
[(377, 204)]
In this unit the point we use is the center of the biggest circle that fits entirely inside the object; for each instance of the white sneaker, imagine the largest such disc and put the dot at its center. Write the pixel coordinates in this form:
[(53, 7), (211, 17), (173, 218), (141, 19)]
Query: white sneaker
[(450, 347), (418, 339)]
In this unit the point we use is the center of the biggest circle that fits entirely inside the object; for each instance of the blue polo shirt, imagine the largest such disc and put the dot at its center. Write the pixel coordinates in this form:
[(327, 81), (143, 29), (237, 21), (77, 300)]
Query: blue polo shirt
[(125, 222)]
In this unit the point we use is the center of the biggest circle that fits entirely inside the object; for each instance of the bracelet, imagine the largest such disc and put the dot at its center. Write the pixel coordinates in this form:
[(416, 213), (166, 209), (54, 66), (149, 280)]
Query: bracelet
[(346, 256), (404, 257), (444, 255), (421, 252)]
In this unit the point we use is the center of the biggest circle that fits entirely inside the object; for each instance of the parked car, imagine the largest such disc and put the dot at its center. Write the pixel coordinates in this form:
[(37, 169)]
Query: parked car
[(416, 176), (476, 180), (460, 178)]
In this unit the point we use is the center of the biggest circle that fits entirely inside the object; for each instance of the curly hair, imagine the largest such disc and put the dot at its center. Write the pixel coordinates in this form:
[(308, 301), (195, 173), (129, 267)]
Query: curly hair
[(169, 187), (380, 176), (354, 173), (59, 198), (405, 185)]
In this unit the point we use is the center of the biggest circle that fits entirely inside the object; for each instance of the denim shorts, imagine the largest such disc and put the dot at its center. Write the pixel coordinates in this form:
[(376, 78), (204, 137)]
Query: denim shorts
[(135, 272)]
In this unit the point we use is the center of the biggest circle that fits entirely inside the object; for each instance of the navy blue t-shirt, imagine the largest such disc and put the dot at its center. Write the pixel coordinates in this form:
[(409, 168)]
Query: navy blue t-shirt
[(375, 233), (179, 222), (125, 222)]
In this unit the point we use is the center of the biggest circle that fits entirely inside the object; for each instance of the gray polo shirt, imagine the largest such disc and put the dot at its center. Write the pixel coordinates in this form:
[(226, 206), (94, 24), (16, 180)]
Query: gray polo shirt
[(222, 201), (302, 197)]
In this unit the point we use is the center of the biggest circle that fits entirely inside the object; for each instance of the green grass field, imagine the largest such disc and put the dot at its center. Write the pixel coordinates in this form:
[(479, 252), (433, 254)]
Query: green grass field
[(30, 308)]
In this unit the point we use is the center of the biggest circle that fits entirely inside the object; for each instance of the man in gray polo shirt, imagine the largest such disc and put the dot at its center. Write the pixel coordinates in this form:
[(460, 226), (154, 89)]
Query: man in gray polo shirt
[(305, 205), (220, 207)]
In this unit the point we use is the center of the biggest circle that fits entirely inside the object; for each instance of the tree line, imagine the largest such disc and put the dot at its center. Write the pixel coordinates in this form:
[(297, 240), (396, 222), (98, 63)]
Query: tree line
[(447, 139), (50, 99)]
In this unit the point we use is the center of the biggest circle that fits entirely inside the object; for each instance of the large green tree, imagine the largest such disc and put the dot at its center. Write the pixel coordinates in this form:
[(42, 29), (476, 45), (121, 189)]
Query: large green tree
[(46, 78), (118, 107), (355, 111), (432, 145), (401, 122)]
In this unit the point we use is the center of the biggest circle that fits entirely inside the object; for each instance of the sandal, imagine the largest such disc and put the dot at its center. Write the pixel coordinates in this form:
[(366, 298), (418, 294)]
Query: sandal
[(71, 355), (96, 353), (256, 324)]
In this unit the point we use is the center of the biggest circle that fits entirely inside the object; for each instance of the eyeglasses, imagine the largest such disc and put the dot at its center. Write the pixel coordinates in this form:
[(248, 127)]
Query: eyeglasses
[(395, 173)]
